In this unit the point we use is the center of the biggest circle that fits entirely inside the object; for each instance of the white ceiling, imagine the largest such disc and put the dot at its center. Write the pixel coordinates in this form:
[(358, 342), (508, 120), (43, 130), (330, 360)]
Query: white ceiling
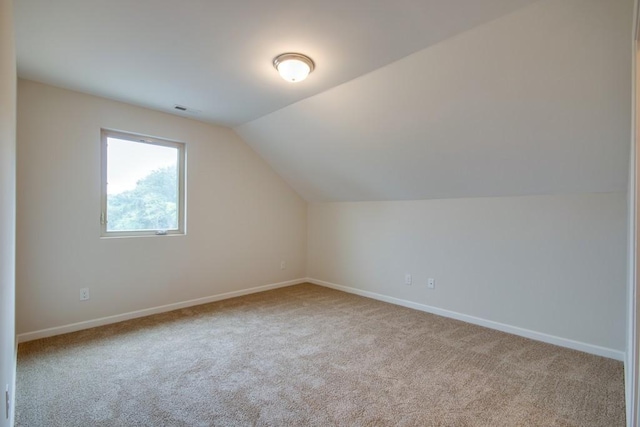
[(536, 102), (411, 99), (215, 56)]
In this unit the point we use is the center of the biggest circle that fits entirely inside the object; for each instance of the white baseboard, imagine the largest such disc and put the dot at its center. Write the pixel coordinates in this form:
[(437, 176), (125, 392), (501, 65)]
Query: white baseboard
[(73, 327), (527, 333), (551, 339)]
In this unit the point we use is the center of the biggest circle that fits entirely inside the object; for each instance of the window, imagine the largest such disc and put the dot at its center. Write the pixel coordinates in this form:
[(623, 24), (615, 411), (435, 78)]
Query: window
[(143, 185)]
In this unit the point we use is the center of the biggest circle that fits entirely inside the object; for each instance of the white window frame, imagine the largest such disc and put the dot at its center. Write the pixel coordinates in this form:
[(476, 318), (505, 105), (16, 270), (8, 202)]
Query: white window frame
[(181, 170)]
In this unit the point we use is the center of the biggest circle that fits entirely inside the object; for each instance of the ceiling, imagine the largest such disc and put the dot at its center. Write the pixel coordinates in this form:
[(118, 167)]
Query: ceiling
[(215, 56), (411, 99), (536, 102)]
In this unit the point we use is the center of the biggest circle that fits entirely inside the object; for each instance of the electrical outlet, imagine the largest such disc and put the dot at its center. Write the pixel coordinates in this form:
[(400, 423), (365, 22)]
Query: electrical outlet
[(407, 279), (283, 265), (431, 283), (84, 294)]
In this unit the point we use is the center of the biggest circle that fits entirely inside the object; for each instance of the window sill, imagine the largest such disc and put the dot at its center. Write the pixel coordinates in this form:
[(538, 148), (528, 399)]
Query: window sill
[(137, 236)]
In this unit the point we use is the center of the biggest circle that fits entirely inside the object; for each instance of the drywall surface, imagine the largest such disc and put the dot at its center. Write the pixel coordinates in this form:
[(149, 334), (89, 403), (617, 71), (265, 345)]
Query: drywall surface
[(535, 102), (632, 361), (242, 219), (550, 264), (7, 208), (216, 56)]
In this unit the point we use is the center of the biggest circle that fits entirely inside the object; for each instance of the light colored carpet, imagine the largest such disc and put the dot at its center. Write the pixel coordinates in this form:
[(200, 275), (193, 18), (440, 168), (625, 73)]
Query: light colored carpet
[(307, 355)]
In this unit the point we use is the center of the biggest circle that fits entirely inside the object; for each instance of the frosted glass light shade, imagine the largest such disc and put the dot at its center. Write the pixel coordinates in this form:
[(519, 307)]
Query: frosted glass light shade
[(293, 67), (293, 70)]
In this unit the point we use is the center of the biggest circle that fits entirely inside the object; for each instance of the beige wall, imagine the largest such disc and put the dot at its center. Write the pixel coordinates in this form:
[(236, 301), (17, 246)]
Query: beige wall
[(7, 206), (550, 264), (554, 265), (242, 219), (632, 361)]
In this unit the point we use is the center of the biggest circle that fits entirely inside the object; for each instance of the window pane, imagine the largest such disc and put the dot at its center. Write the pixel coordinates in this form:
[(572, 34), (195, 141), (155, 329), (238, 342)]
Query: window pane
[(142, 186)]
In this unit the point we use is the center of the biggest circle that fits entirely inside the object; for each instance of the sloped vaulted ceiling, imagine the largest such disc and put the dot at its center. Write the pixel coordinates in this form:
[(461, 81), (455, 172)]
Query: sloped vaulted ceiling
[(214, 56), (535, 102)]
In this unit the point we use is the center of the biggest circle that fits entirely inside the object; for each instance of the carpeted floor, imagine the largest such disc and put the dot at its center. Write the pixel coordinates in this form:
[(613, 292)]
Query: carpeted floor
[(307, 355)]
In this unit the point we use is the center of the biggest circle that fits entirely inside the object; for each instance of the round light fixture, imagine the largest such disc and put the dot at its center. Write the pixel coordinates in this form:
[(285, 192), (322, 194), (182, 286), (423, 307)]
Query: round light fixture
[(293, 67)]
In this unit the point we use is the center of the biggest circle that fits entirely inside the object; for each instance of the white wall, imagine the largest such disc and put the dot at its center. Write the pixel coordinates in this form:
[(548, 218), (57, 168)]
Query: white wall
[(242, 219), (631, 361), (7, 206), (550, 264)]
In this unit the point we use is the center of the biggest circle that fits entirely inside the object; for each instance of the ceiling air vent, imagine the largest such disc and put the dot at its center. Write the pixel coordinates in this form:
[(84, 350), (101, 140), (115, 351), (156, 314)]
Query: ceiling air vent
[(186, 110)]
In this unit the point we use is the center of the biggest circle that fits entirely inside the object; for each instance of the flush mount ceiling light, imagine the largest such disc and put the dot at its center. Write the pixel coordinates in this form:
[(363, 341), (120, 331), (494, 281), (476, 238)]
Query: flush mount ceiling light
[(293, 67)]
